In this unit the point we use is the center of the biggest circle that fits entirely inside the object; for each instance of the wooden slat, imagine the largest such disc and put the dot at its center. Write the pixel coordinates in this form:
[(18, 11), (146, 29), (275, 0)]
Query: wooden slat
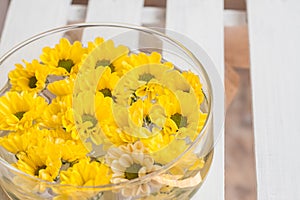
[(202, 21), (115, 11), (108, 11), (274, 32)]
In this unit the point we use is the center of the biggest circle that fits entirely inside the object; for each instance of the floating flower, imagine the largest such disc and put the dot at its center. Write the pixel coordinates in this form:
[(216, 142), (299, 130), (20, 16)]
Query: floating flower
[(105, 55), (22, 141), (64, 58), (43, 162), (58, 114), (183, 111), (70, 150), (136, 60), (130, 162), (16, 142), (20, 111), (85, 117), (86, 173), (31, 78)]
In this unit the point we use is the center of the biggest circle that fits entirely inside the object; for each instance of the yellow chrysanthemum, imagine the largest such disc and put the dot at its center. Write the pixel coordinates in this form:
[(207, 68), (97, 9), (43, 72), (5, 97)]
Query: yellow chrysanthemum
[(105, 54), (163, 138), (151, 91), (181, 108), (43, 162), (64, 58), (137, 60), (195, 83), (109, 128), (16, 142), (71, 150), (20, 111), (56, 114), (85, 117), (31, 78), (145, 81), (86, 173), (145, 119), (180, 124), (21, 141)]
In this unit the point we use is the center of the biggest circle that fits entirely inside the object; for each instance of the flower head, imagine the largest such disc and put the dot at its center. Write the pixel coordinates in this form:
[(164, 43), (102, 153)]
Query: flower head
[(129, 162), (43, 162), (105, 54), (31, 78), (85, 118), (20, 111), (136, 60), (64, 58), (58, 114), (86, 173)]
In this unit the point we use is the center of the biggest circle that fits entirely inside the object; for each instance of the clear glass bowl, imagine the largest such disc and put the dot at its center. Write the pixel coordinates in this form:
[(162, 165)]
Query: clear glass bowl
[(193, 162)]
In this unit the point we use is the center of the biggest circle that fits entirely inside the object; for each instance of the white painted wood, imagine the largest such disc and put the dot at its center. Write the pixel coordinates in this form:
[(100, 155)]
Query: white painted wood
[(77, 13), (202, 21), (27, 18), (153, 17), (235, 17), (274, 30), (108, 11)]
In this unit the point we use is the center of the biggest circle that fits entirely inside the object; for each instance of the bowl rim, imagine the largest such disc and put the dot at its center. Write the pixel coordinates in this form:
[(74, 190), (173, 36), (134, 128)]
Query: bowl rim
[(149, 176)]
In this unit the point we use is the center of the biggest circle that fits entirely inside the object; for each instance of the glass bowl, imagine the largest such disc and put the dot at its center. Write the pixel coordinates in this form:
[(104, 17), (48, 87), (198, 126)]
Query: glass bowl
[(133, 161)]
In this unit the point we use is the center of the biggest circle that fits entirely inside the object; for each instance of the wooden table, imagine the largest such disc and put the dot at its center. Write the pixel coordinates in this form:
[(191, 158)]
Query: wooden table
[(200, 20)]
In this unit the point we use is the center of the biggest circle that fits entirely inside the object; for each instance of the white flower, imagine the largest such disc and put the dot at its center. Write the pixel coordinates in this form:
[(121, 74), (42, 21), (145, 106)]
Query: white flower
[(130, 162)]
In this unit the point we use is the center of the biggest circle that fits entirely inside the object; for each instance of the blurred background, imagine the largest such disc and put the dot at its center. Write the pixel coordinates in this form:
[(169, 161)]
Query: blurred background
[(240, 177)]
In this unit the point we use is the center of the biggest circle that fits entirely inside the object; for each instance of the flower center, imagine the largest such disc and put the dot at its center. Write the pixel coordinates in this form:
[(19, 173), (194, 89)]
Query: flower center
[(132, 172), (106, 92), (37, 171), (179, 120), (133, 98), (32, 82), (89, 118), (66, 64), (147, 122), (146, 77), (104, 63), (19, 115)]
